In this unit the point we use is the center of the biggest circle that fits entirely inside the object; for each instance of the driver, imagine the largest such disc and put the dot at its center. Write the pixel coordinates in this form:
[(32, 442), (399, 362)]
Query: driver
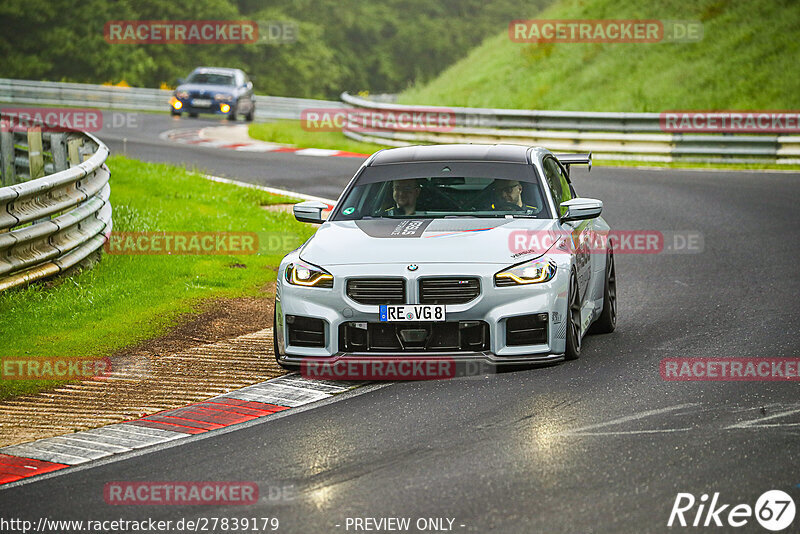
[(508, 196), (405, 194)]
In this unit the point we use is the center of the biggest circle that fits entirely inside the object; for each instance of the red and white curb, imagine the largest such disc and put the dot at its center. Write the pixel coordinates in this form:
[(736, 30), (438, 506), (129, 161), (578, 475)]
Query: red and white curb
[(26, 460), (219, 137)]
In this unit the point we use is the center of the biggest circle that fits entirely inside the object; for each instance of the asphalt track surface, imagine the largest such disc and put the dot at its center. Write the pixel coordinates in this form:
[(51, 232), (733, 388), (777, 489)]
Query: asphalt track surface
[(138, 137), (601, 444)]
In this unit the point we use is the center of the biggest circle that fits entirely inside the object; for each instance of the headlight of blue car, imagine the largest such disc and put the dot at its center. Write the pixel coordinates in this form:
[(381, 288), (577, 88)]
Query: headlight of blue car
[(304, 274), (222, 97), (529, 272)]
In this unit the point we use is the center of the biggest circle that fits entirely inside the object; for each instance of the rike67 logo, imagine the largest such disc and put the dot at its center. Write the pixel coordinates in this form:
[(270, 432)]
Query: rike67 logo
[(774, 510)]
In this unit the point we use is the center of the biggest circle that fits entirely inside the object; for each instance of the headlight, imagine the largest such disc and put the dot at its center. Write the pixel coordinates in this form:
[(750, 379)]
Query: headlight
[(182, 94), (530, 272), (222, 97), (304, 274)]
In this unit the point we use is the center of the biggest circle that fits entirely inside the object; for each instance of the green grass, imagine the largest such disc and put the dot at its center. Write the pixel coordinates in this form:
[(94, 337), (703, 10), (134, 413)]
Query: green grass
[(129, 298), (290, 132), (747, 60)]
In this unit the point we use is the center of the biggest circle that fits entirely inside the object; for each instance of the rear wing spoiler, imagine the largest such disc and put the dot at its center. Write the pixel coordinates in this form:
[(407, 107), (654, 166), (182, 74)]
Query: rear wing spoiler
[(574, 159)]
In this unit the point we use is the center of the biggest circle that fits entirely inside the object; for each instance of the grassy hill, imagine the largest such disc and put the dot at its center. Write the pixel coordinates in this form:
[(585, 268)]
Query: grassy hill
[(748, 59)]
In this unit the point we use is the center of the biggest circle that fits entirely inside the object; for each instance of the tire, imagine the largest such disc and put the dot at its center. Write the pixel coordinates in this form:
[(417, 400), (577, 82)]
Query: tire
[(251, 114), (193, 115), (607, 322), (174, 113), (232, 113), (573, 318)]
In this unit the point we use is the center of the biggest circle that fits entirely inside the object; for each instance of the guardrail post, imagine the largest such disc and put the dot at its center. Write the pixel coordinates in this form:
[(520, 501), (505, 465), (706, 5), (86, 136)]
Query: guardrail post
[(59, 150), (35, 155), (8, 175), (73, 151)]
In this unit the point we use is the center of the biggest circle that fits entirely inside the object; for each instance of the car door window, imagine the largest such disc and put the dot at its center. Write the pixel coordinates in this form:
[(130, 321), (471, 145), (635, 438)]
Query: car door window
[(557, 182)]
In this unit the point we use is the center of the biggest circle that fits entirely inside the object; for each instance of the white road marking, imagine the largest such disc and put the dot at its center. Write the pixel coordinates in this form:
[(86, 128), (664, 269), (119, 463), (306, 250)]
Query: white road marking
[(273, 190), (627, 432), (758, 423), (633, 417), (316, 152)]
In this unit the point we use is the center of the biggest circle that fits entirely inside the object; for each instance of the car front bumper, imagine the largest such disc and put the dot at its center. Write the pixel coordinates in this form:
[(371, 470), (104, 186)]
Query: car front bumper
[(494, 306)]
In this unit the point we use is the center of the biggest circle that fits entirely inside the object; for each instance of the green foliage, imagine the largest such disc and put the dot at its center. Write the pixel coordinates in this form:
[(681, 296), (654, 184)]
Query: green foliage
[(351, 45), (746, 60)]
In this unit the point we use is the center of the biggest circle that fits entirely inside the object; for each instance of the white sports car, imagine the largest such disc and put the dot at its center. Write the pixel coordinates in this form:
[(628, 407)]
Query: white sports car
[(474, 252)]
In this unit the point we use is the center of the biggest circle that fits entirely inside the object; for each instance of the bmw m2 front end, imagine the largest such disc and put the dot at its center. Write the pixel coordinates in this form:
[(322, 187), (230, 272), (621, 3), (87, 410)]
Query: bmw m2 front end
[(464, 251)]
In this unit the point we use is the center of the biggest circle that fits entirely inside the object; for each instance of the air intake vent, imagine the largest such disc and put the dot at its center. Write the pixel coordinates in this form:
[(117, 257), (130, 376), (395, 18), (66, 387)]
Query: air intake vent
[(306, 331), (448, 290), (526, 330), (377, 290)]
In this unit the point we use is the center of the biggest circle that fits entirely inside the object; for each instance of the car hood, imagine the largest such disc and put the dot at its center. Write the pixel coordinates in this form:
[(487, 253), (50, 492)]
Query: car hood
[(427, 241), (206, 88)]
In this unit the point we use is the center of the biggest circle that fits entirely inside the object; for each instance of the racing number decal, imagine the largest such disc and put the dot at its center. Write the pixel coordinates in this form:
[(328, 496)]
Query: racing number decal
[(581, 244)]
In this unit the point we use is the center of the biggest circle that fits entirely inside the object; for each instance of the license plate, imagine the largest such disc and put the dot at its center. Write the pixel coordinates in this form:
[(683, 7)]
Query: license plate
[(201, 103), (411, 312)]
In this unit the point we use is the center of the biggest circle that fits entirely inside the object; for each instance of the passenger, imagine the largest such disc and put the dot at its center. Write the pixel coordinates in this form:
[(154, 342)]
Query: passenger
[(405, 194), (508, 196)]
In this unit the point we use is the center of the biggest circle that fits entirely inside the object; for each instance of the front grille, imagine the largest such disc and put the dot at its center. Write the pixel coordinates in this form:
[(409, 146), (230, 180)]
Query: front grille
[(527, 330), (450, 336), (306, 331), (377, 290), (448, 290)]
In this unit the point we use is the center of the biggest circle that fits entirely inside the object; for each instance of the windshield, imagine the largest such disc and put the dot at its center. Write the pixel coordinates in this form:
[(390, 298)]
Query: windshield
[(484, 190), (210, 78)]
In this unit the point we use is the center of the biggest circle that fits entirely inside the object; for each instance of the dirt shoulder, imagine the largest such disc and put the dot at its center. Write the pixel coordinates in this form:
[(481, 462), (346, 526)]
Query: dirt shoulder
[(226, 346)]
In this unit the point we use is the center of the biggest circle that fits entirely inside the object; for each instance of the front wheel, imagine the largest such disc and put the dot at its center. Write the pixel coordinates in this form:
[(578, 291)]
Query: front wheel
[(573, 349), (607, 321), (232, 113), (251, 114)]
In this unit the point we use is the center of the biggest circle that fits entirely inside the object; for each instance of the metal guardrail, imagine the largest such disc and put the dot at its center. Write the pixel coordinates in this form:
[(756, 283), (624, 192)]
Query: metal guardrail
[(609, 136), (54, 203), (133, 98)]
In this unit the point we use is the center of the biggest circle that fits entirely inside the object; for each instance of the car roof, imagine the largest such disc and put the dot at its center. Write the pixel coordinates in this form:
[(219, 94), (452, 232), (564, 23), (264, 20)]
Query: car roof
[(216, 70), (455, 152)]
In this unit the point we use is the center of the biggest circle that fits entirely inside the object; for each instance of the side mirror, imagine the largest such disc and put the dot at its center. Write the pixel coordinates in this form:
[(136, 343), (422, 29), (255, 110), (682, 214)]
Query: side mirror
[(579, 209), (249, 85), (310, 211)]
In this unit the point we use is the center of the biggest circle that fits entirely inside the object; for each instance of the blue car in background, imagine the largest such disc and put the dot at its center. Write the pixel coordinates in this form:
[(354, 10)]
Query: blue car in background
[(214, 90)]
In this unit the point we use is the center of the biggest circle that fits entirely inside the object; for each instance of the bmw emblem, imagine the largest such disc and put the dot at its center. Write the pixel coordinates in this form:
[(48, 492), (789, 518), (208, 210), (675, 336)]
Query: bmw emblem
[(412, 267)]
